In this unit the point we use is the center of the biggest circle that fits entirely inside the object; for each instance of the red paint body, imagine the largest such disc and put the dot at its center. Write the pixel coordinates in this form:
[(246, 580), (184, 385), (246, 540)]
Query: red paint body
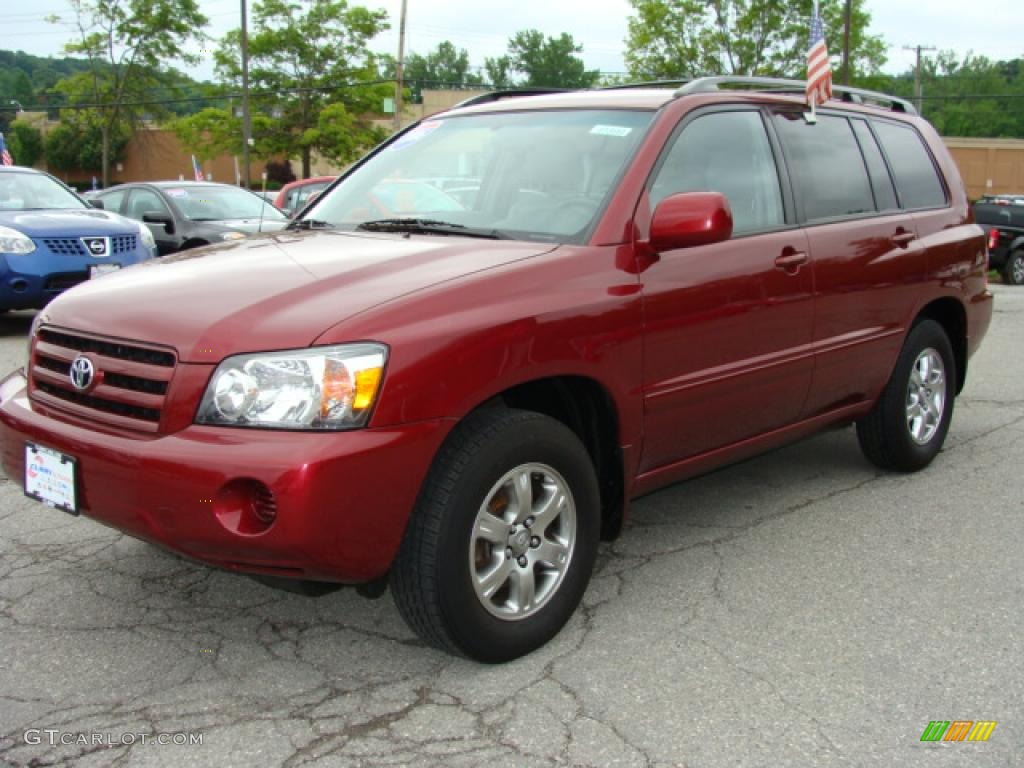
[(707, 354)]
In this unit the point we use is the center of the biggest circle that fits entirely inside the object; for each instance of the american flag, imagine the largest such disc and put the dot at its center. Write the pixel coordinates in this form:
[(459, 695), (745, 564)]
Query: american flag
[(197, 169), (5, 156), (819, 71)]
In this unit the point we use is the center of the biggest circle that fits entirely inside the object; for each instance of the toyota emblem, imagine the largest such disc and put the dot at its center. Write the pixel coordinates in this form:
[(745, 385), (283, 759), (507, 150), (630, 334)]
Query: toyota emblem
[(82, 372)]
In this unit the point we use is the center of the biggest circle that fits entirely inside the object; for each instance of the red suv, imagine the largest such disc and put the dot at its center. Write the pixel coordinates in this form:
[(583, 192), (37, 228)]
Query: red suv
[(634, 286)]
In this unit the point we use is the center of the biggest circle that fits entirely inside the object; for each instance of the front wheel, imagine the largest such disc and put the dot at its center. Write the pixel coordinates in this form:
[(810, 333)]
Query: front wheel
[(1013, 270), (502, 543), (908, 424)]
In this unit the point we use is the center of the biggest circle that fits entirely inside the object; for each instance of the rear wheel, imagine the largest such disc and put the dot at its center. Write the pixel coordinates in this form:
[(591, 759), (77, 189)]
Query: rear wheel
[(502, 543), (1013, 270), (908, 424)]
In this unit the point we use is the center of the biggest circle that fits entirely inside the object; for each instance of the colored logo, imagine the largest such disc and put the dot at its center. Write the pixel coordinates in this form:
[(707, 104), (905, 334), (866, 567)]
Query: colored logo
[(958, 730), (82, 372)]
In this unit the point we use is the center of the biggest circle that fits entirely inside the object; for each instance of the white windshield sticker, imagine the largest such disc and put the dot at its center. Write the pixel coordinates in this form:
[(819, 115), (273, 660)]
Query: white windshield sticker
[(176, 193), (417, 133), (611, 130)]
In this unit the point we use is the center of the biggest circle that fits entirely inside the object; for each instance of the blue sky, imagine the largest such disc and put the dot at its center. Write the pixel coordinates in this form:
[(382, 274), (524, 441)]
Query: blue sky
[(483, 28)]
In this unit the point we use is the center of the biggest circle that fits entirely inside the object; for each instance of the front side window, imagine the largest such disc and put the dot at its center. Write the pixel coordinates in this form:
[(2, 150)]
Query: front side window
[(916, 177), (144, 201), (726, 152), (113, 201), (542, 175), (827, 166)]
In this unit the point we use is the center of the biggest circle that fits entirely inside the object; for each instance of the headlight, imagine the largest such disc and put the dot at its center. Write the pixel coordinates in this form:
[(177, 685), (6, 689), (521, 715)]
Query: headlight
[(147, 237), (316, 388), (233, 236), (13, 241)]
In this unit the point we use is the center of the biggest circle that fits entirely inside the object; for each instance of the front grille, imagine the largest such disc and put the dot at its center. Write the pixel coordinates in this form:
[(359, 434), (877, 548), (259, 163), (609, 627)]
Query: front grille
[(61, 281), (129, 384), (123, 243), (66, 246), (116, 349)]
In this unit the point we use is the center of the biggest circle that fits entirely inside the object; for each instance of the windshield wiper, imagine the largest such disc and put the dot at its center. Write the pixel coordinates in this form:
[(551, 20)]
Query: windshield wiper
[(429, 227), (310, 224)]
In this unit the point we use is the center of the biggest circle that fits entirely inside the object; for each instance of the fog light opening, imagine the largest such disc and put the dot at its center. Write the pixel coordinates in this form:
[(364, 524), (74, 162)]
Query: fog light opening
[(245, 506), (19, 285)]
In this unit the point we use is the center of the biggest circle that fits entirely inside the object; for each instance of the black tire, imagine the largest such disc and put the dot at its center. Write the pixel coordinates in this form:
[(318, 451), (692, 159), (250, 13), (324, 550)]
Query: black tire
[(884, 434), (1013, 269), (432, 579)]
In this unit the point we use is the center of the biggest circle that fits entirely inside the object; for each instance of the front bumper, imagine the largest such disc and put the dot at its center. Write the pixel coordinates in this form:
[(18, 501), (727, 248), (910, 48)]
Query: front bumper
[(343, 499)]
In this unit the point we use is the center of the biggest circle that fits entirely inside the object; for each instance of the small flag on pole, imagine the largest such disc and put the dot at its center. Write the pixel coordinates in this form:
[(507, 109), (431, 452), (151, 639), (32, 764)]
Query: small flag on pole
[(197, 169), (819, 70), (5, 156)]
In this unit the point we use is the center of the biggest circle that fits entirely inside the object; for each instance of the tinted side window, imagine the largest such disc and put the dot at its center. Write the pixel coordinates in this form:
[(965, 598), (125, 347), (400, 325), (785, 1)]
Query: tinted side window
[(112, 201), (916, 177), (881, 181), (144, 201), (726, 152), (827, 166)]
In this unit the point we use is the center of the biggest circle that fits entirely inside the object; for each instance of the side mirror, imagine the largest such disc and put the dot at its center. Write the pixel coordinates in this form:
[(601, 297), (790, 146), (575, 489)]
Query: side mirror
[(158, 217), (688, 219), (96, 203)]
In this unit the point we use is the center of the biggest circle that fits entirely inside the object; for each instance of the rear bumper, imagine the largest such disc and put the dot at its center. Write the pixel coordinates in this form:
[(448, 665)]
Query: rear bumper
[(343, 499)]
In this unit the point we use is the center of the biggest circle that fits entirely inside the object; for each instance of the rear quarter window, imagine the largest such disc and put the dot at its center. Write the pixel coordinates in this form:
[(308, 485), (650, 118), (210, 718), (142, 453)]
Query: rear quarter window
[(917, 180), (827, 166)]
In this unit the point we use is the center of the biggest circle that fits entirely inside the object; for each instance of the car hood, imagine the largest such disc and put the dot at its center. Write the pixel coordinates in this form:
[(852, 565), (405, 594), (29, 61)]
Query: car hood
[(272, 292), (68, 223)]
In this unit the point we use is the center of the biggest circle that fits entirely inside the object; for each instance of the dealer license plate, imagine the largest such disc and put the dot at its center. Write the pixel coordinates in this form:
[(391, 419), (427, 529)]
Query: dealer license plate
[(98, 270), (50, 477)]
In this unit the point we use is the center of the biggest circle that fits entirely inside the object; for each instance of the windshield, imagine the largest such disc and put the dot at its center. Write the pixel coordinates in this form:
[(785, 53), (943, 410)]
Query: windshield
[(530, 175), (34, 192), (216, 203)]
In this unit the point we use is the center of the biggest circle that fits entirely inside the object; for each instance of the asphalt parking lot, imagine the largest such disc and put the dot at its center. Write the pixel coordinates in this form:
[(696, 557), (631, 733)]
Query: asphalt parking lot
[(801, 609)]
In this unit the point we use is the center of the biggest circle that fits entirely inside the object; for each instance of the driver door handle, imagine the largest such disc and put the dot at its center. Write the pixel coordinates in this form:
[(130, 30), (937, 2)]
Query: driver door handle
[(791, 260)]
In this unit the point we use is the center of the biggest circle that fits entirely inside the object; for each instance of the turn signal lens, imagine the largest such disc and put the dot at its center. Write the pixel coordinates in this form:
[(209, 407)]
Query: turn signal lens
[(367, 381)]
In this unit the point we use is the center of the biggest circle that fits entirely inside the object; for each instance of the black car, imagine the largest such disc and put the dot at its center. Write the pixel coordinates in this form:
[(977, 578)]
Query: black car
[(1002, 218), (187, 214)]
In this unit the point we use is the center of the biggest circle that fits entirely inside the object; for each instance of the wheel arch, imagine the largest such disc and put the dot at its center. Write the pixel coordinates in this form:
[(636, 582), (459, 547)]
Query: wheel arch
[(951, 315), (586, 407)]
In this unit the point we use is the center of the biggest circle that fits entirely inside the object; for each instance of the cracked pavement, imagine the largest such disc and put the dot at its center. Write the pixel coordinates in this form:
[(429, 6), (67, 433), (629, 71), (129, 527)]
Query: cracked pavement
[(799, 609)]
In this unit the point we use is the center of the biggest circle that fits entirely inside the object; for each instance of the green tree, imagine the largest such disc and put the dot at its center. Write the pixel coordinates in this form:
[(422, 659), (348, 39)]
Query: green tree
[(445, 67), (83, 145), (25, 143), (670, 39), (126, 43), (547, 62), (305, 55), (215, 131)]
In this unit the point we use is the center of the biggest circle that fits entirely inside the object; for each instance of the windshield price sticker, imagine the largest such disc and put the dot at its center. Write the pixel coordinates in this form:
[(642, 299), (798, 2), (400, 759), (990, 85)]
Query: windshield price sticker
[(611, 130)]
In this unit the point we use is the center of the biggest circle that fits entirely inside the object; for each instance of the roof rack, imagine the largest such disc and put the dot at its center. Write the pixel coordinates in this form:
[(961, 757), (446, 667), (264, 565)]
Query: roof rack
[(779, 85), (487, 98), (646, 84)]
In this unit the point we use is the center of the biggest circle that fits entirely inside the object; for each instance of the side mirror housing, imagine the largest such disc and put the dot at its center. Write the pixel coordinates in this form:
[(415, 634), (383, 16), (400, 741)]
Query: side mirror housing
[(96, 203), (158, 217), (689, 219)]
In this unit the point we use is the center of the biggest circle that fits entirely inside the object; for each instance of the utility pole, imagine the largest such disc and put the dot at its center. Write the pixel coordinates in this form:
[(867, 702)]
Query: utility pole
[(399, 69), (918, 91), (846, 41), (246, 125)]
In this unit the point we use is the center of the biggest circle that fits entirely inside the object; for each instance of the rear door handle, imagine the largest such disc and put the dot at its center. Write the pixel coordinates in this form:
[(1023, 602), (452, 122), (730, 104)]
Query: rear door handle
[(791, 260), (902, 238)]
